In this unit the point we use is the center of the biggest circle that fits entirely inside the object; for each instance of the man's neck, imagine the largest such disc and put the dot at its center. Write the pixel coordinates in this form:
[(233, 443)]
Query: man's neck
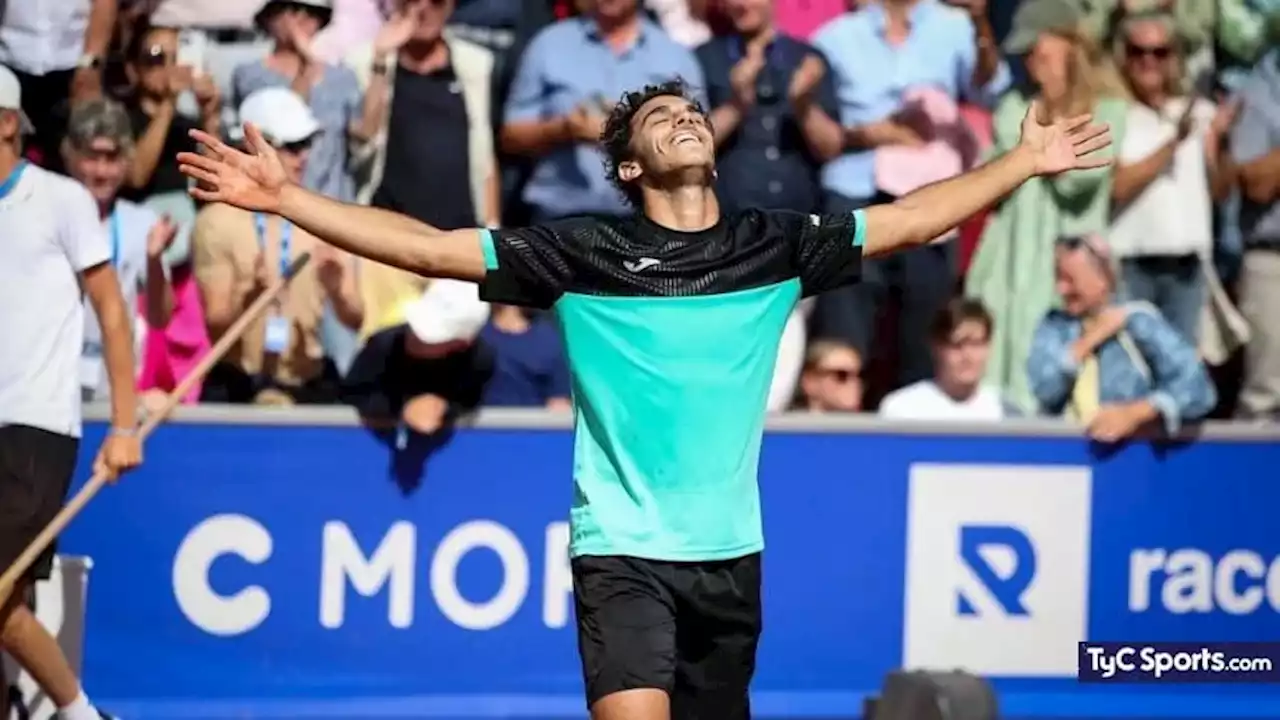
[(619, 32), (689, 208), (957, 391), (759, 37), (9, 160), (898, 16), (1154, 99), (424, 57), (286, 58), (105, 208)]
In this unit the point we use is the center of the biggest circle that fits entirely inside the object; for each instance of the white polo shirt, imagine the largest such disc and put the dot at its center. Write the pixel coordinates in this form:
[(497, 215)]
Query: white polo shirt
[(51, 233), (127, 228)]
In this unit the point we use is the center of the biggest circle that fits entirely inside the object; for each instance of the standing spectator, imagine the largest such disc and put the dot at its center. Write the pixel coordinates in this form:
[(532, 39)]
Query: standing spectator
[(426, 372), (238, 254), (54, 255), (1255, 145), (161, 131), (529, 364), (1191, 26), (97, 150), (1114, 368), (565, 85), (1167, 177), (882, 54), (832, 378), (682, 20), (332, 91), (1012, 270), (773, 108), (57, 49), (961, 337), (448, 177)]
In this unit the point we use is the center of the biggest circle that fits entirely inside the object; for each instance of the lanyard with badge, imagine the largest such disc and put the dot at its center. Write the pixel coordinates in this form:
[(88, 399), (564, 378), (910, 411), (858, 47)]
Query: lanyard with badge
[(92, 368), (276, 341)]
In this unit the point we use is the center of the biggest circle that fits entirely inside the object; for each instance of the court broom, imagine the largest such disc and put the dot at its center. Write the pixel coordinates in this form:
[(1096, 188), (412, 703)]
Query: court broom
[(153, 420)]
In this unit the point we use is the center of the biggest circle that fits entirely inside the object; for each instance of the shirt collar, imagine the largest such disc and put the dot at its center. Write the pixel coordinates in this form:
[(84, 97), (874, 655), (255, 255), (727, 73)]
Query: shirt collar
[(879, 18), (592, 30)]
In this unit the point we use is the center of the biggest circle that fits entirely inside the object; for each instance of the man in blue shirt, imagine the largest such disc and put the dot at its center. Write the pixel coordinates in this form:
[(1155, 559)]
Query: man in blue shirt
[(558, 102), (671, 322)]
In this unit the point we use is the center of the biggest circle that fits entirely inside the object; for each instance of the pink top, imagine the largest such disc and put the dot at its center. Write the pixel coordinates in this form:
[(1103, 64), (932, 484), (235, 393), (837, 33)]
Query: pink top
[(951, 150), (170, 354), (800, 18)]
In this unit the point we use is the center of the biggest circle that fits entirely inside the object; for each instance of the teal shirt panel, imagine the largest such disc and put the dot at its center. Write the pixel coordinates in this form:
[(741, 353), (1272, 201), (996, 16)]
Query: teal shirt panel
[(670, 406)]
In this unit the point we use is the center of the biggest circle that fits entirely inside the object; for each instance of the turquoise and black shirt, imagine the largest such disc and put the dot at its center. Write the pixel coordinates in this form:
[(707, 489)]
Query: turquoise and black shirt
[(671, 339)]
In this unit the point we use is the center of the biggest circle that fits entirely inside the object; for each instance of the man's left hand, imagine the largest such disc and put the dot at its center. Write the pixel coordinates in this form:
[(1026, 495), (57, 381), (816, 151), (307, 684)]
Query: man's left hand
[(804, 83), (1057, 146), (161, 237), (119, 454)]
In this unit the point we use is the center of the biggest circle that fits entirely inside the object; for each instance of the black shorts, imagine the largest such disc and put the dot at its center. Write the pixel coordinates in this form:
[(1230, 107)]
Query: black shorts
[(689, 628), (35, 473)]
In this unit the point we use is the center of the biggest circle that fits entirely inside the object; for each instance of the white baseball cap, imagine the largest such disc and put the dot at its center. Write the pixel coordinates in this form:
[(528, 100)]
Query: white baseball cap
[(280, 113), (449, 310), (11, 98)]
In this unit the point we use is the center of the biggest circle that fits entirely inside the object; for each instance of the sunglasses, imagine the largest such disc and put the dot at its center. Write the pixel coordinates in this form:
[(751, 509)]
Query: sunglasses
[(840, 375), (1157, 52), (296, 147)]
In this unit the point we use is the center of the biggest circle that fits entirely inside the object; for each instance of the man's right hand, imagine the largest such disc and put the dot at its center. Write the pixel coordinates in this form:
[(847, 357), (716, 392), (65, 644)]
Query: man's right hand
[(585, 125), (743, 77), (397, 30), (226, 175)]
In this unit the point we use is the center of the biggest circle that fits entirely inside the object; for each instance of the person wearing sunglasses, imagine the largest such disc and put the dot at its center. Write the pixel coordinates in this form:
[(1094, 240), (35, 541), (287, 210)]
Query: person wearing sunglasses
[(1113, 367), (237, 254), (1170, 170), (831, 380)]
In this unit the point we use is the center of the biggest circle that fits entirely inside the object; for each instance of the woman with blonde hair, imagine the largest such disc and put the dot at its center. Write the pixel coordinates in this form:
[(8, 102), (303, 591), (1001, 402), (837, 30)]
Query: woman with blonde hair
[(1012, 271), (1169, 171)]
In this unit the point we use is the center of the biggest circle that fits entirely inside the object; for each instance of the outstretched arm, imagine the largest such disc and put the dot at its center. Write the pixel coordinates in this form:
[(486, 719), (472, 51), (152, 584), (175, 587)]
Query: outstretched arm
[(258, 182), (1045, 149)]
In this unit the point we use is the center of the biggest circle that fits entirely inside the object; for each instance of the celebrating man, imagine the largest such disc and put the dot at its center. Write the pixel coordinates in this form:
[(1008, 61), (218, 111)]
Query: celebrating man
[(671, 322)]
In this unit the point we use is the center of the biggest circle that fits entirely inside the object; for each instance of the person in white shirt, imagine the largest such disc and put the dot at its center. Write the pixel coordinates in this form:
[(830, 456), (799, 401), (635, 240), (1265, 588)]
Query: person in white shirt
[(1170, 169), (53, 253), (961, 339), (97, 150)]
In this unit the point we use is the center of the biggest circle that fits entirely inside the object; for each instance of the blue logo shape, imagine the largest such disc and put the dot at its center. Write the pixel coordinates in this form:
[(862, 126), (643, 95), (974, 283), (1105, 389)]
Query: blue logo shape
[(1007, 591)]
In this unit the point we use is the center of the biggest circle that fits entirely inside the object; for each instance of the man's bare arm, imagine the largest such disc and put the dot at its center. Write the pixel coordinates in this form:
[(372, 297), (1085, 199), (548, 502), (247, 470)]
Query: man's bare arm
[(386, 237), (918, 217), (102, 285)]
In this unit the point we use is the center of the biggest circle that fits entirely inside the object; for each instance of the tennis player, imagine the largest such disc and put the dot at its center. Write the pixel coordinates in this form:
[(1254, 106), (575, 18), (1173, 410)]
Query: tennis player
[(671, 321)]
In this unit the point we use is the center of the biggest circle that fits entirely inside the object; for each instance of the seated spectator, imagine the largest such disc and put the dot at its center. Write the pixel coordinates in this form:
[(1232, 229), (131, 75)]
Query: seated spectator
[(97, 151), (423, 374), (529, 365), (238, 254), (1167, 177), (961, 339), (1114, 368), (832, 378), (332, 91), (160, 131), (566, 83)]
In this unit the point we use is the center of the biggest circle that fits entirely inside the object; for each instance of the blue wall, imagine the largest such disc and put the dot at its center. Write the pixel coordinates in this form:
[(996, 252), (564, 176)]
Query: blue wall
[(305, 571)]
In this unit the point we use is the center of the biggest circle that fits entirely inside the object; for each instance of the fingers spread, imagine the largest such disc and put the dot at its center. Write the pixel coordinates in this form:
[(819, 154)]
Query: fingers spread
[(1093, 144), (200, 161), (199, 174), (211, 143), (1089, 131), (209, 196), (257, 142), (1093, 161)]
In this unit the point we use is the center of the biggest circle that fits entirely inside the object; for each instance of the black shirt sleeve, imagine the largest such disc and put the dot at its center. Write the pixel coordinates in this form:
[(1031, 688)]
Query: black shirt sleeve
[(532, 266), (827, 249)]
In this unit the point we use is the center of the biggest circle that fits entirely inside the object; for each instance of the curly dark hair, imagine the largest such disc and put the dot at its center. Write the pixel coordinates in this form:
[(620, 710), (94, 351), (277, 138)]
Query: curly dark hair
[(616, 137)]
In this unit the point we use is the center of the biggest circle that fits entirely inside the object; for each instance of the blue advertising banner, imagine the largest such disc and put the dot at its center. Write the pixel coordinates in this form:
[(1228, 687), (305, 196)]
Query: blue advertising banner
[(310, 571)]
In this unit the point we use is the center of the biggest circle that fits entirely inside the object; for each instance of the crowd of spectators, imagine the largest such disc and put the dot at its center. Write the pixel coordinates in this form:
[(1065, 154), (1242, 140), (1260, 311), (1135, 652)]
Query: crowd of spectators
[(1118, 297)]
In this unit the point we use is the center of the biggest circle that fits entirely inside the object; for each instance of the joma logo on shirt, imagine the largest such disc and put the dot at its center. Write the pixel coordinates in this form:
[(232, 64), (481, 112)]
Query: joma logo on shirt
[(644, 263)]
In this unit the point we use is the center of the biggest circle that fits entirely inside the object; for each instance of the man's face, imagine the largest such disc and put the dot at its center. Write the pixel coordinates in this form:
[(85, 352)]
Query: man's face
[(294, 158), (100, 167), (962, 359), (10, 125), (1149, 56), (748, 16), (415, 348), (834, 382), (431, 17), (669, 135), (1081, 282), (152, 68)]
